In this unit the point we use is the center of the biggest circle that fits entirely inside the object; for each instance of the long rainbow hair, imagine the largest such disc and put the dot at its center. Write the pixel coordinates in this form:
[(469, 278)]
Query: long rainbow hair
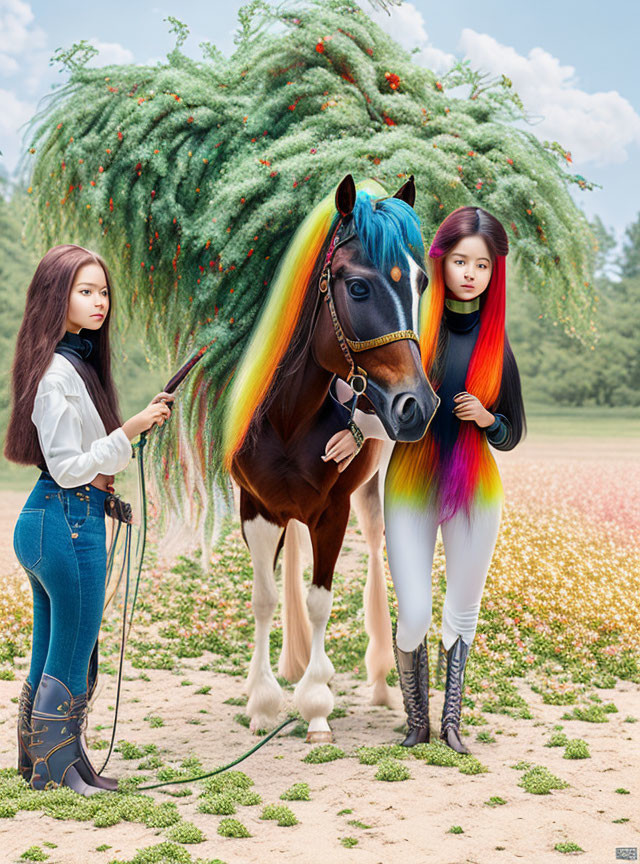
[(424, 473), (393, 225)]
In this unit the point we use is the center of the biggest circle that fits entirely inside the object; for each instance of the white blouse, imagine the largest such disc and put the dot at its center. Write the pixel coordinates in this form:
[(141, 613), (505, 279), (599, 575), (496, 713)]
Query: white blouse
[(71, 433)]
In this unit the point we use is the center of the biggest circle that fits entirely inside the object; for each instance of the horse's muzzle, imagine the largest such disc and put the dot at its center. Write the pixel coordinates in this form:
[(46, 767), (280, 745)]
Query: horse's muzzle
[(405, 415), (408, 417)]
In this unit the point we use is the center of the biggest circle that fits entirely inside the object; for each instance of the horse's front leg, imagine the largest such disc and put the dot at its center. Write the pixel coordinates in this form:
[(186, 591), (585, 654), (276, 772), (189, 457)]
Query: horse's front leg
[(265, 694), (313, 698)]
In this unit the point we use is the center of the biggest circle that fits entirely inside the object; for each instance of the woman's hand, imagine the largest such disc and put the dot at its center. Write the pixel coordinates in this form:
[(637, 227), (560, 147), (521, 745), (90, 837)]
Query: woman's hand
[(163, 397), (156, 412), (469, 407), (341, 447)]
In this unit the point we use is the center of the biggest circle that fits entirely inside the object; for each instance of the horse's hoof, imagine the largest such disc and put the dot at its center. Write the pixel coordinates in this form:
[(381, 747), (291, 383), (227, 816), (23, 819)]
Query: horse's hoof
[(381, 694), (260, 725), (320, 737)]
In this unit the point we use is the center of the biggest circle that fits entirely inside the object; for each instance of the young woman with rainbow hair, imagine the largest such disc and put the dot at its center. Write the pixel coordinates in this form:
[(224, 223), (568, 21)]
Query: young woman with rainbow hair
[(449, 478)]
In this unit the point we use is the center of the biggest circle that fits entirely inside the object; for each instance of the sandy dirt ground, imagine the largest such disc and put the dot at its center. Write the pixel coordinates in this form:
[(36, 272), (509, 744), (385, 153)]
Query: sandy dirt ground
[(405, 821)]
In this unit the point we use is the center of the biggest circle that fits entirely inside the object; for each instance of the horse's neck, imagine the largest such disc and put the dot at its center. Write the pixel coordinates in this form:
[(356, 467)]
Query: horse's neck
[(300, 400)]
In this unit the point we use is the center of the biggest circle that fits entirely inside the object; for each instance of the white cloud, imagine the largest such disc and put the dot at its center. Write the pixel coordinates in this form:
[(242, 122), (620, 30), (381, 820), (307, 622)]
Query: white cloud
[(406, 25), (110, 53), (18, 35), (13, 114), (595, 127)]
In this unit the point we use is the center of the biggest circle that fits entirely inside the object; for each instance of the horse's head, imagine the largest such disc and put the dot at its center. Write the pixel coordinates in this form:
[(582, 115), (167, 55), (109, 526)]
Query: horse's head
[(367, 327)]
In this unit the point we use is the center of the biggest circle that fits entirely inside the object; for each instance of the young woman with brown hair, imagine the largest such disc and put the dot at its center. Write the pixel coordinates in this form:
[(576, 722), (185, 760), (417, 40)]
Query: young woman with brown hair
[(65, 420)]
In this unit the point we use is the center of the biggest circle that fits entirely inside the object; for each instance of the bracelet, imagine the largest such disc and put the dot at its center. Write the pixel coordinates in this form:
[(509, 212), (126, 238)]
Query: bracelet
[(356, 431)]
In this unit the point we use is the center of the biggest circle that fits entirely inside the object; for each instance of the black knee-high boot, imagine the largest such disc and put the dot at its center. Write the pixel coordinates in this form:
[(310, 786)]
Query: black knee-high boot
[(413, 674), (25, 706), (54, 739), (450, 727)]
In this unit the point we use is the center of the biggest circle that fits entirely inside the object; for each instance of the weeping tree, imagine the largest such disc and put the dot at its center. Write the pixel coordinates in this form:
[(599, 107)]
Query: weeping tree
[(190, 177)]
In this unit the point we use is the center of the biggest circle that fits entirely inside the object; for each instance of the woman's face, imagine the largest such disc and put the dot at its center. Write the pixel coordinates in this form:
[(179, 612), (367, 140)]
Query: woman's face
[(88, 300), (467, 268)]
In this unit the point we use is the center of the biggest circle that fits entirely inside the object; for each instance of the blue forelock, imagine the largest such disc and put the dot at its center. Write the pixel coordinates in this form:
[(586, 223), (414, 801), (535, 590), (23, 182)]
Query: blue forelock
[(387, 232)]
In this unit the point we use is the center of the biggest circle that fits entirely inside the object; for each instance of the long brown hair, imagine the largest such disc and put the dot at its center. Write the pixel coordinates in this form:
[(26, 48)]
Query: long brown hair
[(43, 326)]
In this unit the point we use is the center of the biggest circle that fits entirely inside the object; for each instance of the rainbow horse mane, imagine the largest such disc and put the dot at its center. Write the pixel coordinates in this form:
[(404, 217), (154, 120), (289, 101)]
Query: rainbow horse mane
[(272, 336)]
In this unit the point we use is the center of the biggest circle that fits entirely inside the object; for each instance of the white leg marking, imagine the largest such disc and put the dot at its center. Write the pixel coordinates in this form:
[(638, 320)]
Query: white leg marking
[(265, 694), (313, 698)]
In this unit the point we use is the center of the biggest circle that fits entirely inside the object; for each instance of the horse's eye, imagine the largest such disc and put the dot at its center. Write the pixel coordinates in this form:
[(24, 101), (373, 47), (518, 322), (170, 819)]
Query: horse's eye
[(358, 289)]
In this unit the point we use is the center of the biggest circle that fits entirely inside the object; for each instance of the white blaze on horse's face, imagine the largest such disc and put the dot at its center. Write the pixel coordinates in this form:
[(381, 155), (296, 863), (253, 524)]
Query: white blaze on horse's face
[(418, 283)]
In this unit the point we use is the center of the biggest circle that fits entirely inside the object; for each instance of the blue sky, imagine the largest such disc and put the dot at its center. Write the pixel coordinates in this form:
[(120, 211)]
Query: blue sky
[(569, 61)]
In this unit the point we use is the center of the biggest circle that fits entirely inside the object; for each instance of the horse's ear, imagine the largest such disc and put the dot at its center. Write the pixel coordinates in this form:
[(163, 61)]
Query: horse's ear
[(346, 196), (407, 192)]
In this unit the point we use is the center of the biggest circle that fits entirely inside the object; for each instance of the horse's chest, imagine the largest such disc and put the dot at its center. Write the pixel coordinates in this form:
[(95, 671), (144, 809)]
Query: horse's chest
[(286, 472)]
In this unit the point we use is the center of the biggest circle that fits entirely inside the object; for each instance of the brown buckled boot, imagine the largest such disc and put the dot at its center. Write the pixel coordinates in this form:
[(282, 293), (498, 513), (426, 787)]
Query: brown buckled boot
[(450, 726), (413, 674), (25, 705)]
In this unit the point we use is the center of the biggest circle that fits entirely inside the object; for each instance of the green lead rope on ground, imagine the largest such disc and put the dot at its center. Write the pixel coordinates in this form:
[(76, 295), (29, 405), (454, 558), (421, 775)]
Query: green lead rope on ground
[(224, 767)]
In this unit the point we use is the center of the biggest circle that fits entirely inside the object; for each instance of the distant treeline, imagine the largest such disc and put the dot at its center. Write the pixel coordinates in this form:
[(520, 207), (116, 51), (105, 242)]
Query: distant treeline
[(555, 369)]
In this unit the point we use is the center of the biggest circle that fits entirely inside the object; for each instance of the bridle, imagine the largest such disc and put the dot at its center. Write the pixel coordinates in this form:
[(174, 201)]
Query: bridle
[(357, 377)]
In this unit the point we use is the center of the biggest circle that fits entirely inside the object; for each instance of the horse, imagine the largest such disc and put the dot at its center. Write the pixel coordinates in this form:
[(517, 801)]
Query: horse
[(358, 295)]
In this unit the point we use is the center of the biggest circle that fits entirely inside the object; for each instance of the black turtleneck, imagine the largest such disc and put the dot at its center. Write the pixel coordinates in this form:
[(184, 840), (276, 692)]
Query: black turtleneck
[(462, 320), (74, 345)]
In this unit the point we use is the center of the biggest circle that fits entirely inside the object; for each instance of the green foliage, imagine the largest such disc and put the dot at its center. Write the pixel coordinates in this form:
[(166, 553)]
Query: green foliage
[(226, 781), (558, 739), (559, 369), (630, 266), (538, 780), (323, 753), (297, 792), (232, 828), (348, 842), (455, 829), (392, 770), (591, 714), (622, 791), (495, 801), (191, 177), (569, 846), (34, 853), (218, 805), (186, 832), (471, 765), (577, 749), (357, 824), (281, 813), (128, 750), (375, 755), (165, 853)]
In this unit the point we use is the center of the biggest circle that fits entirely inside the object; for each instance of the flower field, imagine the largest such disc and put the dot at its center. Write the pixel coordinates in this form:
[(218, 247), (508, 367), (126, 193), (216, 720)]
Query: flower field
[(558, 647)]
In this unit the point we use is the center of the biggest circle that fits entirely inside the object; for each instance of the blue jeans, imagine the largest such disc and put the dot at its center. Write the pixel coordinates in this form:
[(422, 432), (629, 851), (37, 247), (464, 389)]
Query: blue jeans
[(59, 540)]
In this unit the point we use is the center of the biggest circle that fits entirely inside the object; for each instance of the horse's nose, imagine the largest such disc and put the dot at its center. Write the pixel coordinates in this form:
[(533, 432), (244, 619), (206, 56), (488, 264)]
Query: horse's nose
[(408, 416)]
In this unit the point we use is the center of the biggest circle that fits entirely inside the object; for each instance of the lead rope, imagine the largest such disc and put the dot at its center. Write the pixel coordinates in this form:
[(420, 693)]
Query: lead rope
[(126, 569), (230, 764), (126, 564)]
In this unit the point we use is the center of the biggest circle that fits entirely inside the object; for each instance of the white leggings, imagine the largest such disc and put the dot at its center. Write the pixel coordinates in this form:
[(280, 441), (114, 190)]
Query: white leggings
[(468, 546)]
